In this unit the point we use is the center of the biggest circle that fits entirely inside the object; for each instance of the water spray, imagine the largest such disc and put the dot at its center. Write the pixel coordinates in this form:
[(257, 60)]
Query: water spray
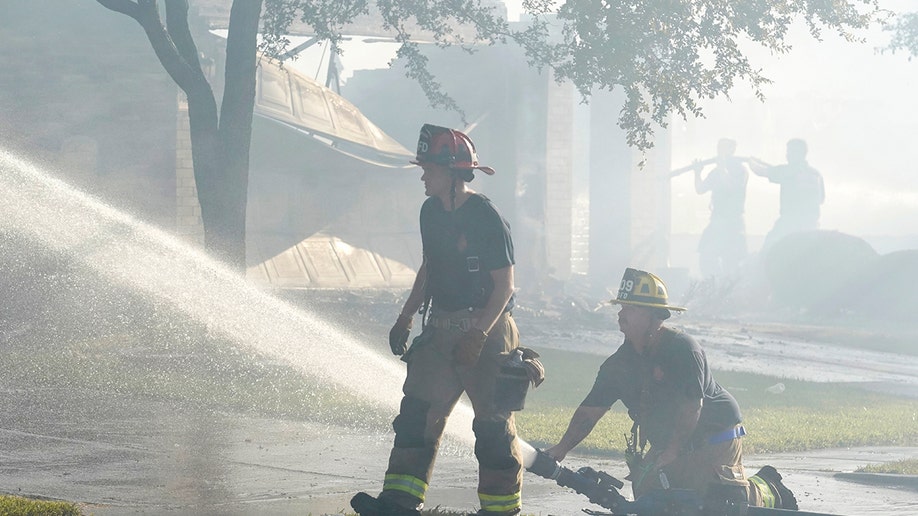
[(127, 251)]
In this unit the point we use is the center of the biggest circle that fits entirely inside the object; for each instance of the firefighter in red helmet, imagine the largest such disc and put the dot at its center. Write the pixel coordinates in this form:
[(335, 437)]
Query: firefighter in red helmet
[(464, 291)]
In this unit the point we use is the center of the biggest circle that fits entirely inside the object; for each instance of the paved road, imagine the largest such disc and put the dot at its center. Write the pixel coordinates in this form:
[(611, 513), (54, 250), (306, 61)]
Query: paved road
[(121, 455)]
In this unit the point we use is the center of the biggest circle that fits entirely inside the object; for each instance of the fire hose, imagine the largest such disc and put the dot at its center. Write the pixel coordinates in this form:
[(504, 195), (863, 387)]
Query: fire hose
[(602, 489)]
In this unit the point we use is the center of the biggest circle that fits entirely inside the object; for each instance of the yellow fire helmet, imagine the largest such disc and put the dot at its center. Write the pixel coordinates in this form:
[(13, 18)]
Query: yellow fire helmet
[(642, 288)]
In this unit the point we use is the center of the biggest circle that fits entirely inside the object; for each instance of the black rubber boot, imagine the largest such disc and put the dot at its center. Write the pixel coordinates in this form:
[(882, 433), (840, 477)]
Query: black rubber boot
[(365, 505), (785, 499)]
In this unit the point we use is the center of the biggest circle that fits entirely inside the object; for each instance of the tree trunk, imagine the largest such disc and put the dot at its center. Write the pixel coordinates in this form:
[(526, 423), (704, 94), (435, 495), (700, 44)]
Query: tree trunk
[(226, 236), (219, 146)]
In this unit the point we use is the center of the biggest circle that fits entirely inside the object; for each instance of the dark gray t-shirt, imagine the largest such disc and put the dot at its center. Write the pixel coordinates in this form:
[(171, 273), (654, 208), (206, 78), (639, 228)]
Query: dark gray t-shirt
[(461, 249), (802, 192), (652, 387), (619, 378)]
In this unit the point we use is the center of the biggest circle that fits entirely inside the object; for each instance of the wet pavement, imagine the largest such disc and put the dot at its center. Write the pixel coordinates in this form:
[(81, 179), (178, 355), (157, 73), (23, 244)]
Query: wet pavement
[(118, 454)]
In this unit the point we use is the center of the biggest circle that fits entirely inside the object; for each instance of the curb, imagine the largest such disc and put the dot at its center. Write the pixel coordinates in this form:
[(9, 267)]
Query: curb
[(880, 479)]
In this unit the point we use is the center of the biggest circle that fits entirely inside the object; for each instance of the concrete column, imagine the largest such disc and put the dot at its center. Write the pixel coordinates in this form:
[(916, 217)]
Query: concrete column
[(630, 204), (651, 205), (611, 162), (559, 159)]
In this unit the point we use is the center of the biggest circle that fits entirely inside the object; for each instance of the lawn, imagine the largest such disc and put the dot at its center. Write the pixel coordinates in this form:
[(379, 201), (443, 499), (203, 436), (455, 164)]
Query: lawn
[(804, 416), (18, 506), (899, 467)]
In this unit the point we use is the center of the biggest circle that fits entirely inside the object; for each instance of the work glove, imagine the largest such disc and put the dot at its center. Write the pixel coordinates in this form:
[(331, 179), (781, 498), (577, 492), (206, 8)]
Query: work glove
[(398, 335), (534, 368), (468, 349)]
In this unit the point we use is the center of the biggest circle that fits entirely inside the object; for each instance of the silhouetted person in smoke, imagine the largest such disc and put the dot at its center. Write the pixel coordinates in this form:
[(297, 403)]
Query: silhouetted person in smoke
[(802, 192), (723, 242)]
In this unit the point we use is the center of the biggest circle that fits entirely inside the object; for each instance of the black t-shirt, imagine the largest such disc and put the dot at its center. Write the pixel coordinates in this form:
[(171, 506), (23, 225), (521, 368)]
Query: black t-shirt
[(619, 378), (728, 190), (461, 249), (802, 191), (677, 371)]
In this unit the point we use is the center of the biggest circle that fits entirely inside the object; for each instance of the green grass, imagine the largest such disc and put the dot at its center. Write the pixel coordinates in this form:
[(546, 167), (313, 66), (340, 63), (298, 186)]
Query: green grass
[(899, 467), (212, 373), (805, 416), (18, 506)]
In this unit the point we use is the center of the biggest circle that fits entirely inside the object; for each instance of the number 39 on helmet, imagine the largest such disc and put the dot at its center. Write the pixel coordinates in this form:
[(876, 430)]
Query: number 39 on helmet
[(642, 288)]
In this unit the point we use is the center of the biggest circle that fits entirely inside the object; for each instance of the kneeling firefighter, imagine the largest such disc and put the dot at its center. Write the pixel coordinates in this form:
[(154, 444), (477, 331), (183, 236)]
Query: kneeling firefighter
[(464, 291), (693, 425)]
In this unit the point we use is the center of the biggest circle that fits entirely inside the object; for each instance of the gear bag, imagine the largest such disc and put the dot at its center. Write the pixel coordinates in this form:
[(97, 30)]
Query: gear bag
[(422, 339), (518, 369)]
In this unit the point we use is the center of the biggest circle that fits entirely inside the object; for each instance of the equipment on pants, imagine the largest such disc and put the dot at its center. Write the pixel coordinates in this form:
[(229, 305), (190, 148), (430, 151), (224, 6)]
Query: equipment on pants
[(634, 453), (452, 323), (450, 148), (468, 347), (602, 489), (518, 369)]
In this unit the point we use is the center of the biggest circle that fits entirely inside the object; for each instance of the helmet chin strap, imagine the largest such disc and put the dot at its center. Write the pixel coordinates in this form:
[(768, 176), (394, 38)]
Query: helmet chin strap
[(453, 193)]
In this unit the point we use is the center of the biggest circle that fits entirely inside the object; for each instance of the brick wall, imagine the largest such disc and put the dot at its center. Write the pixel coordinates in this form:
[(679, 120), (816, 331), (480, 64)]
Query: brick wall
[(188, 223), (82, 91)]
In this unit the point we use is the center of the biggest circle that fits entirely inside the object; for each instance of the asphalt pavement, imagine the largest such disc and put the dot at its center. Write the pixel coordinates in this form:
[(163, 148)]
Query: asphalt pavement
[(127, 455)]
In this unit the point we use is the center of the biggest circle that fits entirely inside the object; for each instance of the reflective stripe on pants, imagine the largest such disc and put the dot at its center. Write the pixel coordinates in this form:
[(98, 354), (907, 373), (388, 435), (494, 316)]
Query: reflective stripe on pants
[(500, 503), (406, 484), (760, 494)]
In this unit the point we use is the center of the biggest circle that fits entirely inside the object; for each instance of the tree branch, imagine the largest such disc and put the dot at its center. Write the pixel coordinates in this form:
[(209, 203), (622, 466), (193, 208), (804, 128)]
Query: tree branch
[(188, 76), (177, 25), (239, 94), (165, 49)]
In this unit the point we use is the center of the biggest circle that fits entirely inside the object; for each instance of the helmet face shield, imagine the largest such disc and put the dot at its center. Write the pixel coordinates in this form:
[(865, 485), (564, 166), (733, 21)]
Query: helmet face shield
[(450, 148)]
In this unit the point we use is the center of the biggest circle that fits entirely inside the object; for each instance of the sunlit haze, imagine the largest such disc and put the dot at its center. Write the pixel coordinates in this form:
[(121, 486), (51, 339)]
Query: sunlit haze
[(853, 106)]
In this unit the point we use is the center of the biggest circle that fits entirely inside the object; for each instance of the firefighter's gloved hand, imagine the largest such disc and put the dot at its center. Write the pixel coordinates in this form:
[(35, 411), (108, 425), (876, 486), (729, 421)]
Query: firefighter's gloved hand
[(468, 349), (398, 335)]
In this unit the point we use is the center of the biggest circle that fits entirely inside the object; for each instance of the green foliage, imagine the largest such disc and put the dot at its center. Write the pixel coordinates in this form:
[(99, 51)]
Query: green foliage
[(15, 505), (905, 34), (899, 467), (805, 416), (665, 55), (780, 429)]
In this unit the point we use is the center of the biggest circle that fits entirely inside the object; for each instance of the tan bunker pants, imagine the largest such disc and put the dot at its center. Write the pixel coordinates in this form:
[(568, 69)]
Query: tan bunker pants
[(432, 388), (706, 468)]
